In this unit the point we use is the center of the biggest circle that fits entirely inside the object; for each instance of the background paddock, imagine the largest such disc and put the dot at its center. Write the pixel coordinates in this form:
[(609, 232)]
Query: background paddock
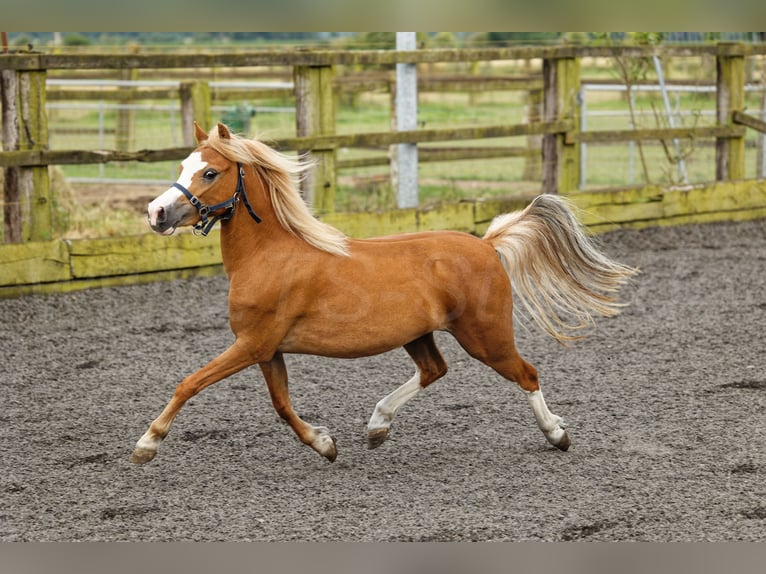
[(665, 404)]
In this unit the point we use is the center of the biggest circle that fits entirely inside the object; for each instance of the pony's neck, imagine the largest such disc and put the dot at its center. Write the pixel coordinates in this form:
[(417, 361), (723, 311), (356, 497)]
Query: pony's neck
[(242, 238)]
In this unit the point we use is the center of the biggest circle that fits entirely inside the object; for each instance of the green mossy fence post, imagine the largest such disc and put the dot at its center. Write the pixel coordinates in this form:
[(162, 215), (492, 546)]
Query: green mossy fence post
[(533, 162), (195, 106), (125, 134), (730, 79), (27, 210), (561, 88), (315, 107)]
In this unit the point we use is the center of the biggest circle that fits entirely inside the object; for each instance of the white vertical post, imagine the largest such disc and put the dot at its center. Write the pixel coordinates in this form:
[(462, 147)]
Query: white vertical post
[(406, 120), (671, 122), (583, 146)]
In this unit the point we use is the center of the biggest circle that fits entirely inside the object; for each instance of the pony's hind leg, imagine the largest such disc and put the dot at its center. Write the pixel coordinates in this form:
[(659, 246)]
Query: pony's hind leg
[(525, 375), (500, 353), (431, 366), (318, 438)]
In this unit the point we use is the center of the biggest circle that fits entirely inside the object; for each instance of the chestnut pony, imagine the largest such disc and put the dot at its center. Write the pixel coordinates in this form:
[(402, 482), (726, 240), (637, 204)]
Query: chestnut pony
[(297, 285)]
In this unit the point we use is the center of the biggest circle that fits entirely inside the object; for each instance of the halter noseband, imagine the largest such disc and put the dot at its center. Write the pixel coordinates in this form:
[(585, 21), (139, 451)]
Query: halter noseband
[(206, 223)]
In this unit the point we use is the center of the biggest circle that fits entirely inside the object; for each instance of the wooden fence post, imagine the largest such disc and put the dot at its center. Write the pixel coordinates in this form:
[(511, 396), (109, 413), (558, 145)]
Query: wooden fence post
[(315, 115), (195, 106), (11, 228), (760, 160), (27, 211), (125, 130), (533, 162), (561, 160), (730, 91)]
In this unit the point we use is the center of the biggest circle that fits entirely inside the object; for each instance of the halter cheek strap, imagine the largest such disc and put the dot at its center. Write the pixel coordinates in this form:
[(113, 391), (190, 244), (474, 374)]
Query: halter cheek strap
[(206, 223)]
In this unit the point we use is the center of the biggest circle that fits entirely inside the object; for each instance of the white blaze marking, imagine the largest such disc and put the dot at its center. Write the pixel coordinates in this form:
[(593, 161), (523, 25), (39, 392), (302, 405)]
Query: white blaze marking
[(190, 166)]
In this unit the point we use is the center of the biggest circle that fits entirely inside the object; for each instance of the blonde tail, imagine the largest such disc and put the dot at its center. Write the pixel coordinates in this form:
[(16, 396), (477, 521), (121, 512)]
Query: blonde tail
[(557, 273)]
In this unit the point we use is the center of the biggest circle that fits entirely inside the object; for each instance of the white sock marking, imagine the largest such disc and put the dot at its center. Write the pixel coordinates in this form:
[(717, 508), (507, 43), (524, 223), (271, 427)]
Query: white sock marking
[(149, 442), (388, 406), (549, 423)]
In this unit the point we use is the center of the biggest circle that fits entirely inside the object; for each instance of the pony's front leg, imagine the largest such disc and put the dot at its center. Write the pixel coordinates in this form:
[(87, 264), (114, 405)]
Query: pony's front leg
[(234, 359), (318, 438)]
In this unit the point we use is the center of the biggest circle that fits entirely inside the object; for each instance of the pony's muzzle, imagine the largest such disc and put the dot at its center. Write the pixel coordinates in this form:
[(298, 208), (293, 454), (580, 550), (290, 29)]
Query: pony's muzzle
[(160, 219)]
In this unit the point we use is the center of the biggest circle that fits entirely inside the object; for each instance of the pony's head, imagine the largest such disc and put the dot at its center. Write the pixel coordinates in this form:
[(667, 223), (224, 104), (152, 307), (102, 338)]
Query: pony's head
[(213, 181), (206, 189)]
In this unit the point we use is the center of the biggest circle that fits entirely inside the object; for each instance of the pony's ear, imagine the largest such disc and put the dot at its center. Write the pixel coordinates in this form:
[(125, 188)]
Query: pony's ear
[(199, 133), (223, 132)]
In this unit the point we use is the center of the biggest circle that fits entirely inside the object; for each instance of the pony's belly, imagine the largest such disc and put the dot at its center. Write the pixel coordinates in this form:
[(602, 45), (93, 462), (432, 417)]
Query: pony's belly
[(352, 339)]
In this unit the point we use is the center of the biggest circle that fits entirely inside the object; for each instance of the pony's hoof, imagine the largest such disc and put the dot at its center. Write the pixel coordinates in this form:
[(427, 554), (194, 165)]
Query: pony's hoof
[(324, 444), (563, 443), (142, 455), (331, 451), (376, 437)]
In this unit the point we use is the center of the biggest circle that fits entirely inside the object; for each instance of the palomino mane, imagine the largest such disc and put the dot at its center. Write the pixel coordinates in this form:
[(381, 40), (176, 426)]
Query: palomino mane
[(281, 174)]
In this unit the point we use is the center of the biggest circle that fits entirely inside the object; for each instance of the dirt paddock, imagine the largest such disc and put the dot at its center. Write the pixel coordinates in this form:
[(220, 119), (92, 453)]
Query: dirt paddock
[(665, 404)]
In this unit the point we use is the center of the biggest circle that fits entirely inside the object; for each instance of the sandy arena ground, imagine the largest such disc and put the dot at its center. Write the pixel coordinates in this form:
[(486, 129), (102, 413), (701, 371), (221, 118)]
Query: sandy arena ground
[(666, 407)]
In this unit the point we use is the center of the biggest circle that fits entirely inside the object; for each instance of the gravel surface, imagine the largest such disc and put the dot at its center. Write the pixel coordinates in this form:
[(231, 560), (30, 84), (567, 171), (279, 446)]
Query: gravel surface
[(665, 404)]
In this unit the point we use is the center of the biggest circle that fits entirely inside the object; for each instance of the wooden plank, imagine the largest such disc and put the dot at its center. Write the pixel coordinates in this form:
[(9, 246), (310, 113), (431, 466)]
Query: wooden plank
[(744, 119), (462, 84), (34, 262), (614, 136), (599, 208), (473, 153), (69, 157), (709, 217), (639, 194), (309, 57), (381, 139), (485, 210), (719, 198), (469, 216), (323, 142), (68, 286), (217, 94), (142, 254), (374, 224), (454, 216)]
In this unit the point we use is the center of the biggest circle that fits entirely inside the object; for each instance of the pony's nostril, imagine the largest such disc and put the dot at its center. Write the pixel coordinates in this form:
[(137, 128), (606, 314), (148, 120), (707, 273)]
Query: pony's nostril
[(161, 215)]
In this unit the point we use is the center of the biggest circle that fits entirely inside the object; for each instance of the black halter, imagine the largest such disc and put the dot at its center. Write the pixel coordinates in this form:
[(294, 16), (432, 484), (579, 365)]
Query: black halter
[(206, 223)]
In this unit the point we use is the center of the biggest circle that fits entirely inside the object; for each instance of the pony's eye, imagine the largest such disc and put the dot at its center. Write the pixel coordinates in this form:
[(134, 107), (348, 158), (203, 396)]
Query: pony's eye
[(209, 174)]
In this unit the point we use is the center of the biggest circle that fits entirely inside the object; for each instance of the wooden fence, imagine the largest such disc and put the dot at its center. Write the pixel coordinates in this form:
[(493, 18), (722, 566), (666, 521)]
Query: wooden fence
[(37, 260)]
